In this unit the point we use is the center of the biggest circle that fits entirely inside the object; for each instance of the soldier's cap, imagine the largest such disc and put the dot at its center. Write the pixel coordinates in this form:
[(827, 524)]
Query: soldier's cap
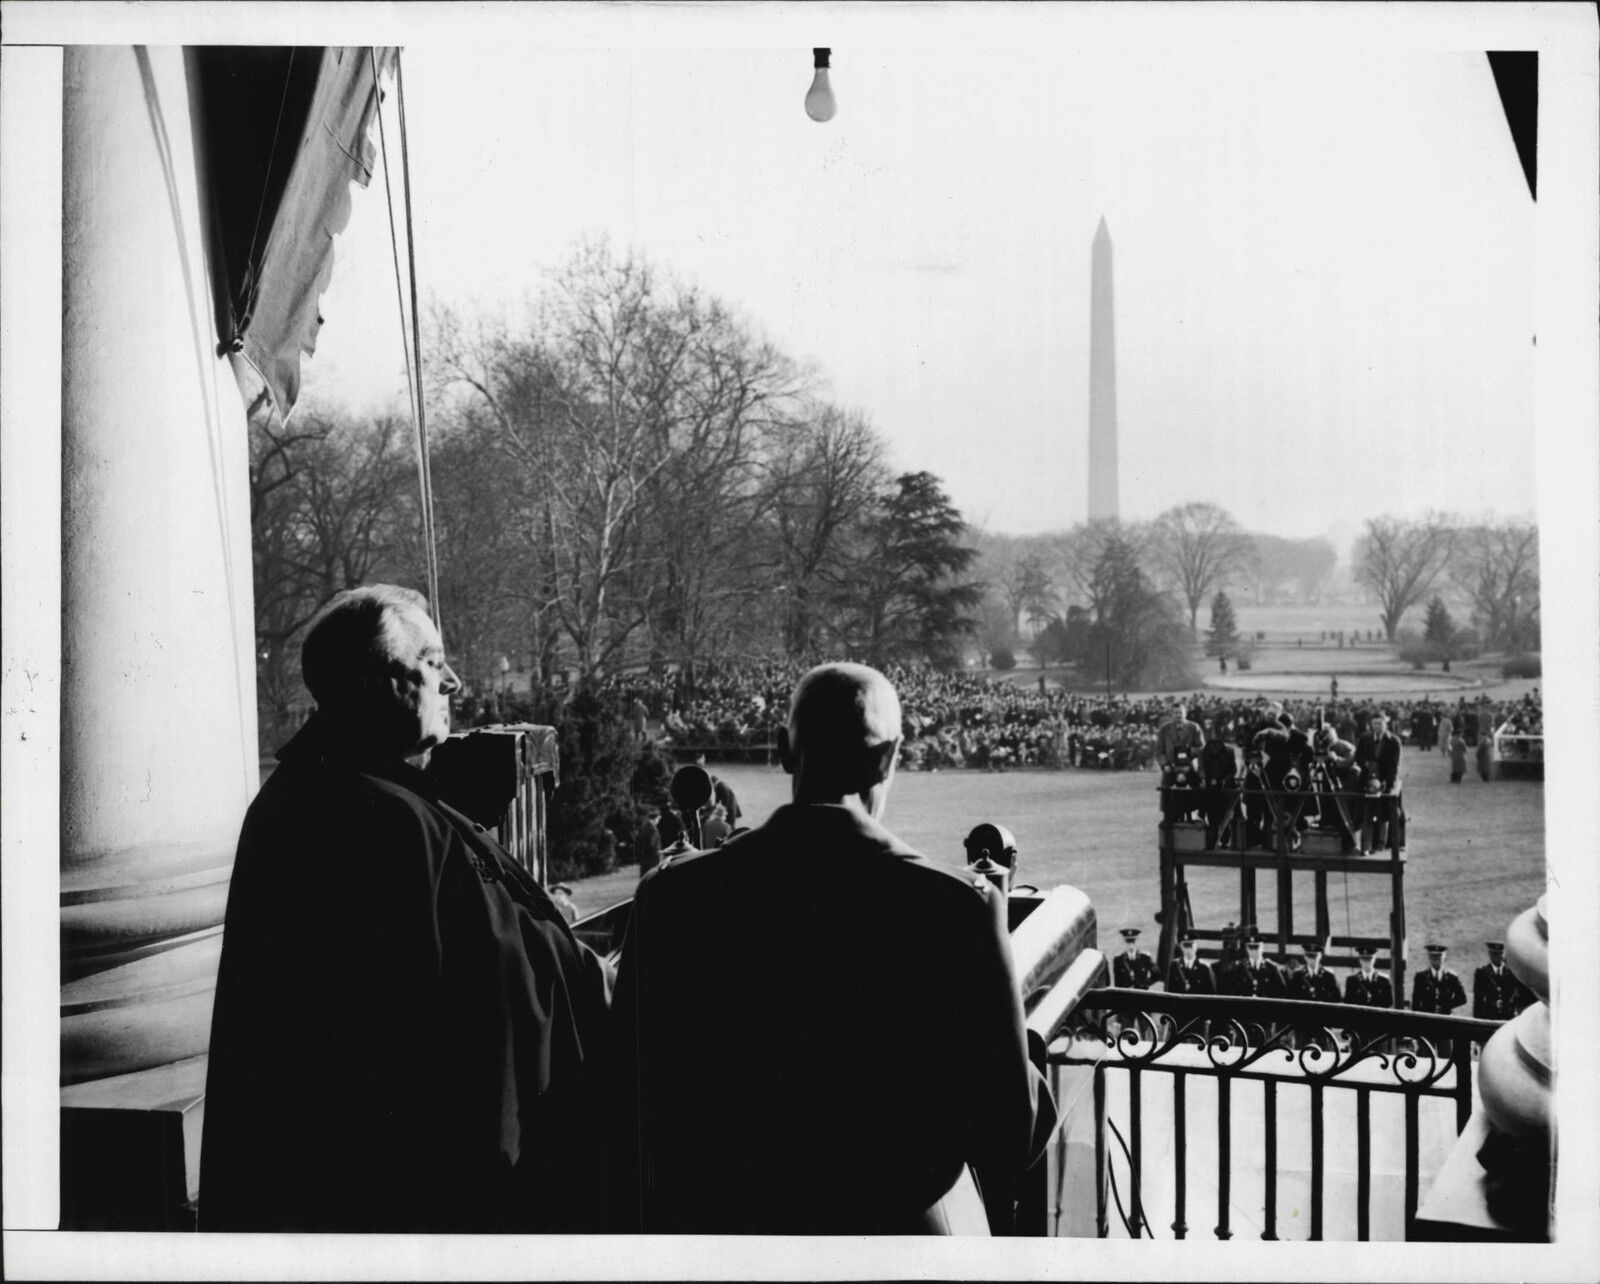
[(1252, 940), (1311, 947), (1436, 949), (1129, 933), (1496, 947), (1186, 939), (1366, 952)]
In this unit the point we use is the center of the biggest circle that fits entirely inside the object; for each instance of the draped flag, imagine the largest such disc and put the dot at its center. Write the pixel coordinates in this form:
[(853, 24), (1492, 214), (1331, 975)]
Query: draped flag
[(288, 131)]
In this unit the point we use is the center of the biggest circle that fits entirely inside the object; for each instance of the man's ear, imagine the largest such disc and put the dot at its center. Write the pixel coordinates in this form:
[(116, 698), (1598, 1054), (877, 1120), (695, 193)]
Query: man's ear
[(785, 750), (883, 758)]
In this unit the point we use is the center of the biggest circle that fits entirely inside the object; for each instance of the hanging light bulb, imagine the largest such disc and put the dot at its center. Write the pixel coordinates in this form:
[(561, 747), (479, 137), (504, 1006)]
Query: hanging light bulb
[(820, 105)]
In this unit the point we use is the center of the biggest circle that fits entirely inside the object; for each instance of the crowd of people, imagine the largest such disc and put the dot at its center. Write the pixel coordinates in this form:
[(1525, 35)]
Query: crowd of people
[(954, 719)]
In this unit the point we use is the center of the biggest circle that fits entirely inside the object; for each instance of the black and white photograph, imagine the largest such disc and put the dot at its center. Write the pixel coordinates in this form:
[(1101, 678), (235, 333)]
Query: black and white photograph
[(833, 641)]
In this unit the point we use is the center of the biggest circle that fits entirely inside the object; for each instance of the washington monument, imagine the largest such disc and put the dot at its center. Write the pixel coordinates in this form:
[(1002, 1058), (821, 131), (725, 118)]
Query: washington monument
[(1102, 383)]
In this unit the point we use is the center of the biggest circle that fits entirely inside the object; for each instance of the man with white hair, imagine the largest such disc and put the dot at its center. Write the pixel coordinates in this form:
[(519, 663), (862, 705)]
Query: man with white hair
[(405, 1026), (819, 1030)]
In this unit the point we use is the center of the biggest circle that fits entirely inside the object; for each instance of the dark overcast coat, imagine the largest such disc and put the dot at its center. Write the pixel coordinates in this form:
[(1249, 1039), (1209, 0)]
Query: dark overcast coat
[(406, 1030), (818, 1027)]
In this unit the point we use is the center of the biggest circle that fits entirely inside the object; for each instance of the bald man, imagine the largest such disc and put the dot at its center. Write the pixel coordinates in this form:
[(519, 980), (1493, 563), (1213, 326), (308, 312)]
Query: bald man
[(820, 1031)]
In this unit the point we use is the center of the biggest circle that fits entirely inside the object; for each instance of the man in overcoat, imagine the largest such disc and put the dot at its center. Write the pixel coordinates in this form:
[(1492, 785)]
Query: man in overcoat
[(405, 1030), (819, 1031)]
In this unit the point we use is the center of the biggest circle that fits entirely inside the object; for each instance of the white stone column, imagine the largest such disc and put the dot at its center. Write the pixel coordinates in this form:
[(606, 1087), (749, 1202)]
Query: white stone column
[(158, 724)]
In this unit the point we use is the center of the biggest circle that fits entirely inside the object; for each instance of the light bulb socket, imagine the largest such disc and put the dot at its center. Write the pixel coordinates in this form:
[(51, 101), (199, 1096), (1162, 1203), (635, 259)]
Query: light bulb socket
[(819, 58)]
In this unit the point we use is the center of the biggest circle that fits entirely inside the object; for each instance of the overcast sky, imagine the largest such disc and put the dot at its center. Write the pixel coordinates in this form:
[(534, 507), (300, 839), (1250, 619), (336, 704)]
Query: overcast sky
[(1322, 258)]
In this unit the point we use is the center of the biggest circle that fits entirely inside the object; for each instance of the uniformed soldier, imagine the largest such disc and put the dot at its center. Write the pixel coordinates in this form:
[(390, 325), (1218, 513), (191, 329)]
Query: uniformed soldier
[(1189, 973), (1232, 955), (1316, 983), (1257, 976), (1368, 987), (1497, 995), (1437, 989), (1134, 969)]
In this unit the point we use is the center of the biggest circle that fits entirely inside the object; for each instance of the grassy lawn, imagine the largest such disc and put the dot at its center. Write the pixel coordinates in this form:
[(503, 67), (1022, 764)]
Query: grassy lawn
[(1318, 661), (1476, 851)]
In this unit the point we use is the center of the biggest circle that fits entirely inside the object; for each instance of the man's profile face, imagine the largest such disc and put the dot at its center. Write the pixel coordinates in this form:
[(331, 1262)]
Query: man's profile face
[(420, 681)]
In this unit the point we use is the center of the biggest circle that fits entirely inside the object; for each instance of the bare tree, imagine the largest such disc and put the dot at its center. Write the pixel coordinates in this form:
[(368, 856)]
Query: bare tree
[(1036, 592), (723, 403), (330, 502), (632, 407), (823, 473), (284, 601), (1077, 554), (1496, 565), (1196, 549), (1399, 561)]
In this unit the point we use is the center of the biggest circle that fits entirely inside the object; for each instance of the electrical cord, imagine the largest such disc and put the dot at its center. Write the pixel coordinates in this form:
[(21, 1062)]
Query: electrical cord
[(1138, 1204)]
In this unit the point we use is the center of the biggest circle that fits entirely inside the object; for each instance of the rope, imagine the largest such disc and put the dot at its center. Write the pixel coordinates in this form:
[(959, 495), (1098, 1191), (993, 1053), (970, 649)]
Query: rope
[(413, 373), (261, 205), (416, 344), (394, 246)]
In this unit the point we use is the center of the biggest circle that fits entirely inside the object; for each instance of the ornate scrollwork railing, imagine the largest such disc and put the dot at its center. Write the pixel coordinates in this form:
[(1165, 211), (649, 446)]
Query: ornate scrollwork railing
[(1287, 1045), (1252, 1037)]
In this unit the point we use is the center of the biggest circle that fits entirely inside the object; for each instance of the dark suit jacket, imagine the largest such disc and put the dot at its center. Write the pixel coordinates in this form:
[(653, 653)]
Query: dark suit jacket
[(1190, 980), (1443, 996), (1498, 997), (405, 1030), (1264, 981), (1137, 973), (817, 1028), (1321, 988), (1380, 756), (1376, 993)]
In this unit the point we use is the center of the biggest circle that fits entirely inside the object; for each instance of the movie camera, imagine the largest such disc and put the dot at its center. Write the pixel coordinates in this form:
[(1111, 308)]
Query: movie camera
[(1184, 773)]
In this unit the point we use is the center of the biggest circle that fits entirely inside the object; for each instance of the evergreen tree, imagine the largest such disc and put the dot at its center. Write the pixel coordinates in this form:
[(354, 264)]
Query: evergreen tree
[(1439, 631), (908, 599), (1223, 636), (1440, 627), (1137, 631)]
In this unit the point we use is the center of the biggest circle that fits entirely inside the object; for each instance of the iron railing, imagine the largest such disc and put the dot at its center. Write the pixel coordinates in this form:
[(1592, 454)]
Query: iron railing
[(1287, 1045)]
